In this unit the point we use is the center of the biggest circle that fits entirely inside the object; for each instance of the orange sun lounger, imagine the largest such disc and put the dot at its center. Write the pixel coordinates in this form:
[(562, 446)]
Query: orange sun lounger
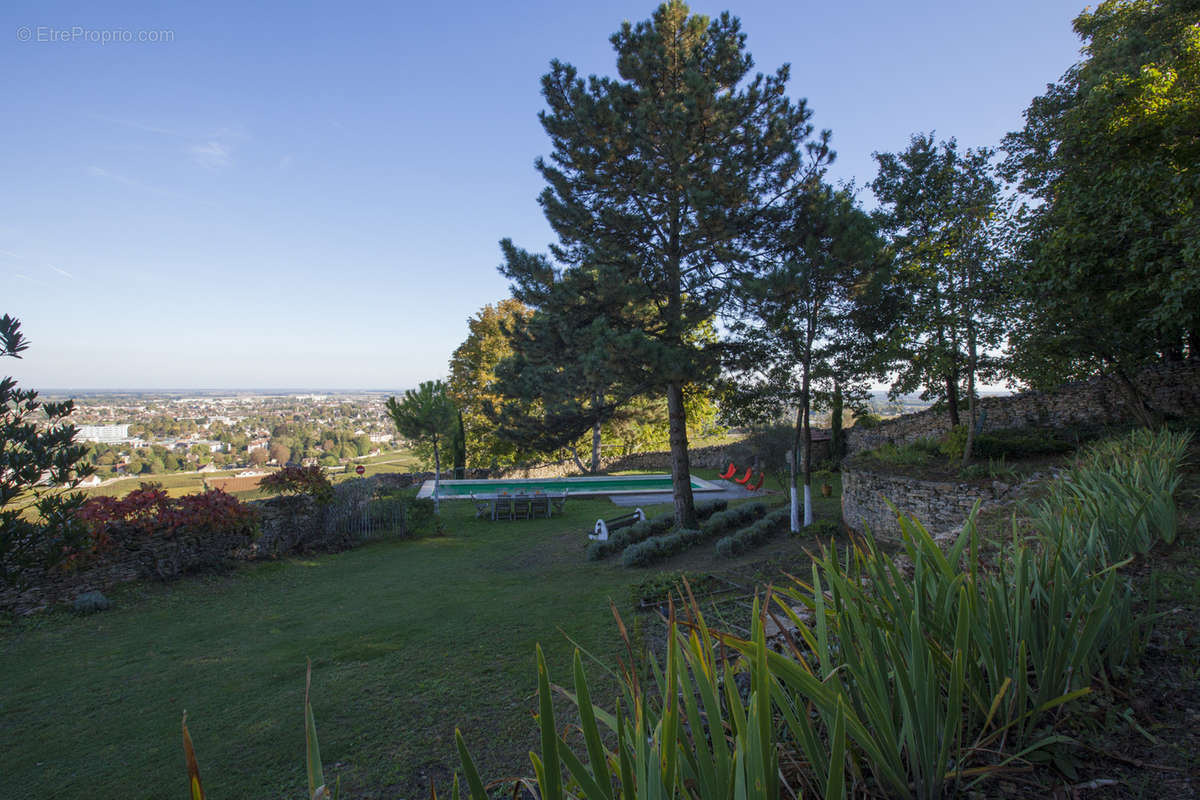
[(745, 478), (729, 472), (762, 476)]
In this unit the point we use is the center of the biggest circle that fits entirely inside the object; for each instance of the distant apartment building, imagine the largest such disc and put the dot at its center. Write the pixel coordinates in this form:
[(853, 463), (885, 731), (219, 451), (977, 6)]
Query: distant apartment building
[(108, 434), (257, 444), (380, 438)]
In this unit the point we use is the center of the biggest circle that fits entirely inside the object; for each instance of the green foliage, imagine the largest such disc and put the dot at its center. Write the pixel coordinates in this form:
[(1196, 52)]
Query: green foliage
[(658, 548), (820, 529), (941, 209), (954, 442), (1108, 159), (38, 525), (790, 345), (707, 508), (662, 586), (752, 536), (653, 204), (299, 481), (420, 516), (867, 421), (474, 384), (903, 686), (428, 416), (713, 744), (90, 603), (653, 549), (918, 452), (993, 469), (1018, 444)]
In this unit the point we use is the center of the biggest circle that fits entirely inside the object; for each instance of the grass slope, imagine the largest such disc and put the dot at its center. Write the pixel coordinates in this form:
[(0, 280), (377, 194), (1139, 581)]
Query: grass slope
[(408, 640)]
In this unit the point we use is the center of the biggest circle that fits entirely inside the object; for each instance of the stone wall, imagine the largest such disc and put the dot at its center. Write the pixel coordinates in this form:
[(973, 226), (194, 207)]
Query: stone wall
[(1173, 389), (938, 505), (708, 457)]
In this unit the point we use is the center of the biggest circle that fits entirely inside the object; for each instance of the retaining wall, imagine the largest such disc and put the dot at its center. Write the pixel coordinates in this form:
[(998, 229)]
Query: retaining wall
[(1172, 389), (938, 505)]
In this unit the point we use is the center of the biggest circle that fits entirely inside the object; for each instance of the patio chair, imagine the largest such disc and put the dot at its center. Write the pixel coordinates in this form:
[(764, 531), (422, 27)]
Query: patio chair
[(483, 505), (503, 507), (521, 506), (540, 505), (557, 503)]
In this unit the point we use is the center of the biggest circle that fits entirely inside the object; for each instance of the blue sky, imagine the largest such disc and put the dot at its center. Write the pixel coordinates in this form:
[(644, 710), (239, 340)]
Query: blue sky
[(311, 194)]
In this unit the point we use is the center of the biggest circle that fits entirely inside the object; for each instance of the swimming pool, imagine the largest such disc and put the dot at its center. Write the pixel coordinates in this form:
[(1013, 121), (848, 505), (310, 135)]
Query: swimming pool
[(575, 487)]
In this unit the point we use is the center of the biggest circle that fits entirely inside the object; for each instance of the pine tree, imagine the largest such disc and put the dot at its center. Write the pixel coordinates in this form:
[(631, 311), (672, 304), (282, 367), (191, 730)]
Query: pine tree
[(35, 462), (657, 182)]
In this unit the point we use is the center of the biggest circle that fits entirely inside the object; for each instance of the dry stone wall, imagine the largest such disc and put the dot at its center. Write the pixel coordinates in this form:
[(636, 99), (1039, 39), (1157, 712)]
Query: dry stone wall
[(938, 505), (1173, 389)]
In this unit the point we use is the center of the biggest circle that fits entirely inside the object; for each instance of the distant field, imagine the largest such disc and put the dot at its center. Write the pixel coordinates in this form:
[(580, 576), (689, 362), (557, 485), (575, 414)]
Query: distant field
[(179, 484)]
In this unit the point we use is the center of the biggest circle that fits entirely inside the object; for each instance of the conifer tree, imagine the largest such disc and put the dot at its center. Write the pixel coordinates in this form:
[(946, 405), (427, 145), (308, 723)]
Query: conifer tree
[(35, 463), (657, 181)]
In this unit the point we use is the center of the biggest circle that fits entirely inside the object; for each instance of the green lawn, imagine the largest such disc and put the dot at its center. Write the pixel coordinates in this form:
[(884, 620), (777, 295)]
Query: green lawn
[(409, 639)]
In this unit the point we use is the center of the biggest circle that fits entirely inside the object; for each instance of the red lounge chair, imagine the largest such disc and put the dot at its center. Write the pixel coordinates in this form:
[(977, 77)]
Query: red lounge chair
[(762, 476), (729, 473), (743, 480)]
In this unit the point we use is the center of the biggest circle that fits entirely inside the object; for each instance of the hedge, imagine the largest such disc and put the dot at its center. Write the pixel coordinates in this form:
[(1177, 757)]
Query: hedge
[(656, 548), (742, 540)]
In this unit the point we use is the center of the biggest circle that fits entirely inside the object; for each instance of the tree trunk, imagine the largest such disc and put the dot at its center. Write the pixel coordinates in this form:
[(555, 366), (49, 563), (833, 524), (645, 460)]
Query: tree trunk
[(437, 477), (972, 361), (596, 447), (681, 477), (836, 435), (806, 402), (794, 468), (952, 398), (578, 462), (1143, 412)]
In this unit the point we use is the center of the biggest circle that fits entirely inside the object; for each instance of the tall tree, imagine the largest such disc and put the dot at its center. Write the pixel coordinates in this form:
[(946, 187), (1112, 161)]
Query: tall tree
[(657, 179), (426, 414), (561, 381), (472, 383), (940, 209), (35, 463), (1109, 160), (820, 265)]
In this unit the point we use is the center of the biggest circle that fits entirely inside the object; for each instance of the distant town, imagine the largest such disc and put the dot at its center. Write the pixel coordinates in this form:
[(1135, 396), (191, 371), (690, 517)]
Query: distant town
[(132, 434)]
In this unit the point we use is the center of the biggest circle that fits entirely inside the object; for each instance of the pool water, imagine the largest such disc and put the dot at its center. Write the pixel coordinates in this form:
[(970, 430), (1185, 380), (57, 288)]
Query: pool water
[(609, 484)]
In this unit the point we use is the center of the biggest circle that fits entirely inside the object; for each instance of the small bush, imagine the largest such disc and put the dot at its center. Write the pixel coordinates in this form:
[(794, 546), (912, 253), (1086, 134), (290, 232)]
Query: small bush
[(733, 518), (867, 421), (659, 587), (915, 453), (90, 603), (709, 507), (821, 529), (166, 536), (953, 442), (746, 538), (1013, 444), (657, 548), (307, 481)]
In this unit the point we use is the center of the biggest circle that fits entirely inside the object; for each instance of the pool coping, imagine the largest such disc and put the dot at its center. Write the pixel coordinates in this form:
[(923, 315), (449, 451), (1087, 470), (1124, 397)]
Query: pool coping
[(698, 485)]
